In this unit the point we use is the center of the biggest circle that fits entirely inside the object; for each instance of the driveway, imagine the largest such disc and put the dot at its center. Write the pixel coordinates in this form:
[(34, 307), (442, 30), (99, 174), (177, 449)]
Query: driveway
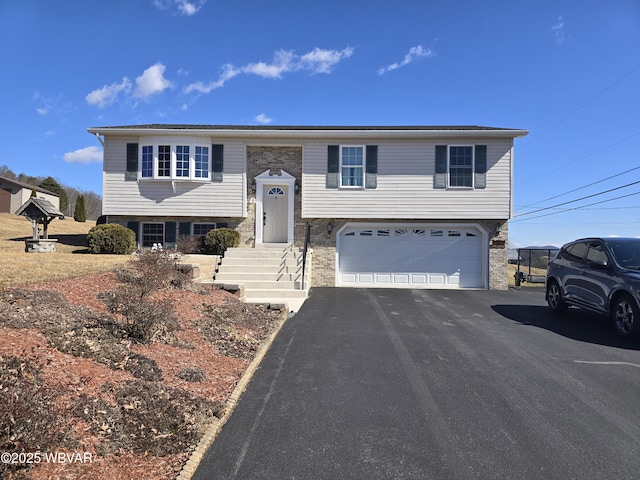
[(395, 384)]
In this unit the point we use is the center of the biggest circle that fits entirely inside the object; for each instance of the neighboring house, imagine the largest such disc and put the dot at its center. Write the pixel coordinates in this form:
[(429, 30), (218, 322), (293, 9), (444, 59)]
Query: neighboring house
[(14, 194), (421, 207)]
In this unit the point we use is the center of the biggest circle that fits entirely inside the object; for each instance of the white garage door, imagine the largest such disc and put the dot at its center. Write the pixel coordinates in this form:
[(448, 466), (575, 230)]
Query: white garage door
[(410, 256)]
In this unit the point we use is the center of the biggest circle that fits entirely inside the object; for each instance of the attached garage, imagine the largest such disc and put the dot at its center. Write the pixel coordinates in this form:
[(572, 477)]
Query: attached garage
[(412, 256)]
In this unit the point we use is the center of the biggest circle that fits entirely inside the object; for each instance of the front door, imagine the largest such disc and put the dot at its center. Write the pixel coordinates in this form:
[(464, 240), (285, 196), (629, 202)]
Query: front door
[(275, 211)]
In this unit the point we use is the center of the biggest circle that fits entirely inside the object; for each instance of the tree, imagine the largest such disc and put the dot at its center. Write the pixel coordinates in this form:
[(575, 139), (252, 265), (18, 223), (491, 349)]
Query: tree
[(52, 185), (33, 192), (80, 212)]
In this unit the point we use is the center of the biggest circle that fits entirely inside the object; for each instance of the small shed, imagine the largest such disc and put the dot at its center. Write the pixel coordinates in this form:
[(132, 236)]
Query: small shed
[(40, 212), (533, 261)]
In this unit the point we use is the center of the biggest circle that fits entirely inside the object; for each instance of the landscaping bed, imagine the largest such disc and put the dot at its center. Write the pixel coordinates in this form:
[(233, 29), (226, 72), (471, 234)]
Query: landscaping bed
[(74, 377)]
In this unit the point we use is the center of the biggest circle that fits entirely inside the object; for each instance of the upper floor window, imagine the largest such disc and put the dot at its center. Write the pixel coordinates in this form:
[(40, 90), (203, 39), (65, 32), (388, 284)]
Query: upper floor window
[(351, 166), (175, 162), (461, 166), (182, 161), (202, 162), (164, 161), (147, 161)]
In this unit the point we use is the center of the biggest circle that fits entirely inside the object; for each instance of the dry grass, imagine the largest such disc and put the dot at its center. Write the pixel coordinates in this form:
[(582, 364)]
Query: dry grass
[(70, 259), (525, 269)]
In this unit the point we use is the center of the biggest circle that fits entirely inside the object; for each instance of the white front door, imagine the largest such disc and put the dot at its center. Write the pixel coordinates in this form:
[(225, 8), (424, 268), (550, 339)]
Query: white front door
[(275, 213)]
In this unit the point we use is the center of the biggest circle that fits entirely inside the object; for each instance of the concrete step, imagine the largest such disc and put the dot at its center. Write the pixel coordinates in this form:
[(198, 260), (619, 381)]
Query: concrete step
[(260, 269), (250, 262), (260, 284), (261, 294), (240, 277)]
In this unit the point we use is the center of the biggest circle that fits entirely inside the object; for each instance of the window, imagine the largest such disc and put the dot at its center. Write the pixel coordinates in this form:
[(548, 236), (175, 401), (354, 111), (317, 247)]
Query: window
[(152, 233), (147, 161), (174, 162), (202, 162), (164, 161), (351, 166), (182, 161), (461, 166), (201, 229), (596, 253), (575, 252)]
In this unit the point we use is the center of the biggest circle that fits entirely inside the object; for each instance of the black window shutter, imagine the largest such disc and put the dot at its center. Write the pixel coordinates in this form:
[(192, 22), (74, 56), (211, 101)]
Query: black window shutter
[(184, 229), (217, 162), (333, 166), (440, 177), (132, 162), (170, 234), (371, 174), (135, 226), (480, 180)]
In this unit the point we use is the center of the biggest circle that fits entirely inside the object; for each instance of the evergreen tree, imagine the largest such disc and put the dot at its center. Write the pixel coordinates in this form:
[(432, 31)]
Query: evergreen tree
[(50, 184), (33, 192), (80, 212)]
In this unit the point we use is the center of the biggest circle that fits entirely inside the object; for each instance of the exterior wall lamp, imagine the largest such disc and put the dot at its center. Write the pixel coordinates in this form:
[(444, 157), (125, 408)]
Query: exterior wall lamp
[(329, 228)]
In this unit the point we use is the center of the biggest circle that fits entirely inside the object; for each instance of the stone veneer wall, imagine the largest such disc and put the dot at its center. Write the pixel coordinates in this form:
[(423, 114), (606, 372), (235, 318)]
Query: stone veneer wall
[(324, 248), (260, 159)]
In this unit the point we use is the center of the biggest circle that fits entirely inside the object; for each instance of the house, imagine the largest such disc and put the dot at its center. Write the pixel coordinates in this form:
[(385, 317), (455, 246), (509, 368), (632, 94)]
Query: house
[(14, 194), (388, 206)]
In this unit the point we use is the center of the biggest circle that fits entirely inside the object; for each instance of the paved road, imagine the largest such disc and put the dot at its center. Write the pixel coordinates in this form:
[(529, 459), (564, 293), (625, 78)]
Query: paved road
[(415, 384)]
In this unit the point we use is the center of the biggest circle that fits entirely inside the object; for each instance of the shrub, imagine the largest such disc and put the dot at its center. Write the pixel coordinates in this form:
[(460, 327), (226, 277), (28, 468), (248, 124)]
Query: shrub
[(189, 244), (111, 238), (218, 240), (80, 212)]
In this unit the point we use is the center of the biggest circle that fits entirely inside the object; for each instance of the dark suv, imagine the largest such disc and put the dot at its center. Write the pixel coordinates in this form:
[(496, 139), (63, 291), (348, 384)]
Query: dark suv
[(598, 274)]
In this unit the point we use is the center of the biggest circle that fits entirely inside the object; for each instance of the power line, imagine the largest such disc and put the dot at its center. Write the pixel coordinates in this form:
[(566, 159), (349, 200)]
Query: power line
[(578, 208), (578, 199), (573, 112), (580, 159)]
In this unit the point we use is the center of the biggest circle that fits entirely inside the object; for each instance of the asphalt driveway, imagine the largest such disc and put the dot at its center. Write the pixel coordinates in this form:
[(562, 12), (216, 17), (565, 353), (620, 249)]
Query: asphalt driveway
[(395, 384)]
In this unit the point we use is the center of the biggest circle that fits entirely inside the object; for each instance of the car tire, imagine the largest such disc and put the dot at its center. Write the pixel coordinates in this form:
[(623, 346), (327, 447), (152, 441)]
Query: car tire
[(626, 316), (554, 297)]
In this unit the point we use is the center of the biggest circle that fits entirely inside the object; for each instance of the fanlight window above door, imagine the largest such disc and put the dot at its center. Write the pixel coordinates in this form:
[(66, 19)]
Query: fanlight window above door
[(275, 191)]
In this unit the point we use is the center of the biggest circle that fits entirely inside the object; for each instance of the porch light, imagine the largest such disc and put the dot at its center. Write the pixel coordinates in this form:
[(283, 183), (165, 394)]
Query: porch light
[(329, 228), (296, 187), (253, 185)]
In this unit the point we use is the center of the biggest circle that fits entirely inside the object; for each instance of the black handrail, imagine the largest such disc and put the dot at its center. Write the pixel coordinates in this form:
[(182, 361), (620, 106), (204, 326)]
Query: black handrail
[(307, 234)]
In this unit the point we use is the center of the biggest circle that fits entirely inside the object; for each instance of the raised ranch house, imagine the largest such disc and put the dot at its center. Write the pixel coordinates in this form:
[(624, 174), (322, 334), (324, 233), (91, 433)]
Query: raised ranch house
[(394, 206)]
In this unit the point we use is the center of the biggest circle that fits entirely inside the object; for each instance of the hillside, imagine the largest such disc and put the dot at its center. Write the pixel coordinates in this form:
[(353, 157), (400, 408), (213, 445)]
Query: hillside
[(70, 260)]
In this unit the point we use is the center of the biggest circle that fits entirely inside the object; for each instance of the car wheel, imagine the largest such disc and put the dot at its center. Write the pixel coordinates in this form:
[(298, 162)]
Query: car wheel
[(554, 297), (626, 316)]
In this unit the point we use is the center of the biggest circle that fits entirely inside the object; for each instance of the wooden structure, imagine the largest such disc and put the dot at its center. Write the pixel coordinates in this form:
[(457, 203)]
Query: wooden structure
[(40, 212)]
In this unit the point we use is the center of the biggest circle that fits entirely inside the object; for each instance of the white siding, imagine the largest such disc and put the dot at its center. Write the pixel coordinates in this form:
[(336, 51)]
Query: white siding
[(158, 198), (405, 184)]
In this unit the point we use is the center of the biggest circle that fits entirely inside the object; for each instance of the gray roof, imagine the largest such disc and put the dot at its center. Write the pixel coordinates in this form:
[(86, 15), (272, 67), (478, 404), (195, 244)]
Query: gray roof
[(30, 187), (158, 126), (35, 205)]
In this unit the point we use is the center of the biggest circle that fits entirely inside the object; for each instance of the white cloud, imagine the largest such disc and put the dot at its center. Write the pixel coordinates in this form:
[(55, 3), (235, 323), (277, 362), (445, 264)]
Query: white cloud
[(180, 7), (85, 155), (42, 111), (414, 53), (284, 61), (152, 81), (262, 118), (558, 30), (106, 95)]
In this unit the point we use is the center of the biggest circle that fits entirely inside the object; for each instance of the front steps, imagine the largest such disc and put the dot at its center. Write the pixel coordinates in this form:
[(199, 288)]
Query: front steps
[(270, 275)]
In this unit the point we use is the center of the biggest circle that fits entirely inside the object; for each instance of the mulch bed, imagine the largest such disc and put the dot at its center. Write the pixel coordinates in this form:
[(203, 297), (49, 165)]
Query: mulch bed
[(72, 380)]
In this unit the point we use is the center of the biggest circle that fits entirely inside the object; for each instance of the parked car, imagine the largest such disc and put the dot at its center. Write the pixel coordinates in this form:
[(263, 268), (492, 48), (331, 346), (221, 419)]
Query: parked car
[(601, 275)]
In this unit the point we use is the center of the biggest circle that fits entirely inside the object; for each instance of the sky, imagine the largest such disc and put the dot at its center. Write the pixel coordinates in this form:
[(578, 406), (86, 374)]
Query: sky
[(567, 71)]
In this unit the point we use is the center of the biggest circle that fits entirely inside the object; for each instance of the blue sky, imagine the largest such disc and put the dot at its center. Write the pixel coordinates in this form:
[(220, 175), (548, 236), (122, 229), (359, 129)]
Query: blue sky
[(569, 72)]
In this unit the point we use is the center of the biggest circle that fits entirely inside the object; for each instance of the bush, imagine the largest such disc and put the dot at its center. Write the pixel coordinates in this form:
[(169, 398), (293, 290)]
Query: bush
[(111, 238), (218, 240), (189, 244), (80, 212)]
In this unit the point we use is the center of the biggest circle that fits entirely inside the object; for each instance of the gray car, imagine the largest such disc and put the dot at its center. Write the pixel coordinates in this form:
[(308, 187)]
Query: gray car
[(601, 275)]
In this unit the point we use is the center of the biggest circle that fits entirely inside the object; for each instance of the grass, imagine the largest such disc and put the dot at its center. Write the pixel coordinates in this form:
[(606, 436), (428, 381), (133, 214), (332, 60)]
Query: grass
[(71, 258), (524, 268)]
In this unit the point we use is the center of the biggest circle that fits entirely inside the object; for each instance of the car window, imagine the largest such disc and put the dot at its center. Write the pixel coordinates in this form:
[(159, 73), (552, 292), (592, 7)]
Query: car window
[(596, 253), (575, 252), (627, 254)]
